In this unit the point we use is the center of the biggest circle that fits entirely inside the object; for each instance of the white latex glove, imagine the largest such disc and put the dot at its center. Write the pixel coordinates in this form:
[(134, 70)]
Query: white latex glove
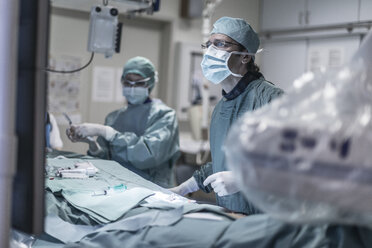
[(223, 183), (74, 138), (186, 187), (92, 129)]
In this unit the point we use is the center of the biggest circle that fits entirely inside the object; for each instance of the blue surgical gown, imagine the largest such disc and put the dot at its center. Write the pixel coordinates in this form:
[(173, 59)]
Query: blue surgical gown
[(251, 92), (147, 141)]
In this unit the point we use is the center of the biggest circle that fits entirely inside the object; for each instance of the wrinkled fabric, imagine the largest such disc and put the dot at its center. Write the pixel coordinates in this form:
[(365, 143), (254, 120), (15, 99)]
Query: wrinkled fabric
[(57, 205), (185, 233), (110, 174), (67, 232), (256, 94), (47, 244), (147, 141), (258, 231), (64, 231), (261, 231), (106, 208), (150, 218)]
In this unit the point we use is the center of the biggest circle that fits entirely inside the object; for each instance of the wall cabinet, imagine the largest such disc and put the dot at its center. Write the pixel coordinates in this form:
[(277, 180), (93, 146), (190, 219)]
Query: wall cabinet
[(365, 10), (284, 61), (282, 14), (286, 14), (328, 12)]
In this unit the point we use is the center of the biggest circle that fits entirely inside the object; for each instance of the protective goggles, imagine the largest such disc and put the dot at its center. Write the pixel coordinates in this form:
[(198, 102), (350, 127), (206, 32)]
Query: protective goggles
[(219, 44), (139, 83)]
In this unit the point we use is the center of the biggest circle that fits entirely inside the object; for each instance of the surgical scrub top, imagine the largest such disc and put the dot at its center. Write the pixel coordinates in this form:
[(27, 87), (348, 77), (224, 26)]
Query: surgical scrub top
[(147, 141), (251, 92)]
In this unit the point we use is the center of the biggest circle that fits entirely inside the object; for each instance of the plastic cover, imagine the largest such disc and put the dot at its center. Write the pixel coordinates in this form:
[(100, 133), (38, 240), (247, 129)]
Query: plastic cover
[(19, 239), (307, 157), (102, 30)]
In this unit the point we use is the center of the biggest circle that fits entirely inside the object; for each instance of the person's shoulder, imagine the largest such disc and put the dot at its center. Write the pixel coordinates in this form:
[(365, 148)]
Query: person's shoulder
[(160, 111), (159, 105), (115, 112), (267, 84), (266, 87)]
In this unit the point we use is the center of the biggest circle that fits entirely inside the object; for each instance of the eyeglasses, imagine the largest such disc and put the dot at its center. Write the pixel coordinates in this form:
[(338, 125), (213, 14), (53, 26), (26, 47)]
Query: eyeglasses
[(219, 44), (139, 83)]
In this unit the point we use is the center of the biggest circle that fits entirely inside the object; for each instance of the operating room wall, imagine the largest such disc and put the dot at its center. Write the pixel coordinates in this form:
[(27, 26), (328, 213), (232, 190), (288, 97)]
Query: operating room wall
[(303, 36), (152, 36)]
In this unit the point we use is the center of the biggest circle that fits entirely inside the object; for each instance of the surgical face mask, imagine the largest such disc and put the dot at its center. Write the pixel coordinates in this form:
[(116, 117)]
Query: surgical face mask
[(215, 64), (136, 95)]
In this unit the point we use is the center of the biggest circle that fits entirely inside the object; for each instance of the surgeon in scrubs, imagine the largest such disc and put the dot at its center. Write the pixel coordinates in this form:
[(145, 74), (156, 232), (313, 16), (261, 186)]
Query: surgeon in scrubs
[(229, 61), (142, 136)]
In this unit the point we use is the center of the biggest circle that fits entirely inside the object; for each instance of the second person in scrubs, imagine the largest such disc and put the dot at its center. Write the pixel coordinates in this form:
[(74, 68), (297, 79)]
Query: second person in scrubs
[(142, 136)]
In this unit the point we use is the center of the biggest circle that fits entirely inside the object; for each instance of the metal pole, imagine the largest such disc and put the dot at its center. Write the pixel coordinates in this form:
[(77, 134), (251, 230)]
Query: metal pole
[(349, 27), (8, 67)]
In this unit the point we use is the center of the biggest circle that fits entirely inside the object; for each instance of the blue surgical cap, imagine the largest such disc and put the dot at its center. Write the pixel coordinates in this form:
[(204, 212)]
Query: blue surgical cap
[(141, 66), (238, 30)]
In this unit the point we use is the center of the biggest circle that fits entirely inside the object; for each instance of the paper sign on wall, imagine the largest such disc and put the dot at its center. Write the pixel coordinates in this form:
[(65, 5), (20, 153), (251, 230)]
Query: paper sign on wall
[(329, 57), (64, 88), (103, 84)]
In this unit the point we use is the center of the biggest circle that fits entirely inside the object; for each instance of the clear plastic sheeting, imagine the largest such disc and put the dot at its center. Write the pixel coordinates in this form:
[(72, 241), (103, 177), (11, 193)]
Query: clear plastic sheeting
[(307, 157), (20, 240)]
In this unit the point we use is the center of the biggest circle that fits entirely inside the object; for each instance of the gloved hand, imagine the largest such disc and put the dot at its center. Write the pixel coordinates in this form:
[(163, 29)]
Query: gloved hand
[(92, 129), (94, 147), (223, 183), (70, 132), (186, 187)]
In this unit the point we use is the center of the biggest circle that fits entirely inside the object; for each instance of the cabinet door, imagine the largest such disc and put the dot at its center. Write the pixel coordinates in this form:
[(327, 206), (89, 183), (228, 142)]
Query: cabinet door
[(283, 61), (282, 14), (331, 52), (365, 10), (327, 12)]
